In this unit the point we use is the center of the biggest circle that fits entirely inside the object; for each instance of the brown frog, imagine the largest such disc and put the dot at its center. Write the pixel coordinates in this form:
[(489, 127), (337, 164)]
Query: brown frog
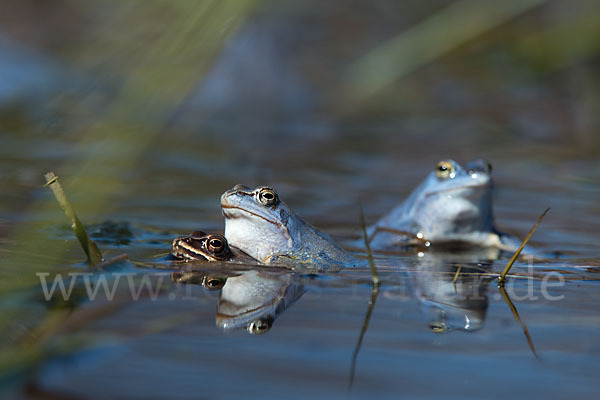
[(207, 247)]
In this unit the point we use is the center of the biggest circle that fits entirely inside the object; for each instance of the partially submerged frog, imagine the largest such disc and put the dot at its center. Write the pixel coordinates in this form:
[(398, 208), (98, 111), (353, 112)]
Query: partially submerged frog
[(207, 247), (453, 206), (260, 224)]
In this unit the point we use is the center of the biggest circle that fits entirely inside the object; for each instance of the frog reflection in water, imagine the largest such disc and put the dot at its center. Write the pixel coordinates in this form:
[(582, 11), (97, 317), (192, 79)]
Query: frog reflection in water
[(453, 206), (250, 300), (263, 226), (254, 299), (452, 301)]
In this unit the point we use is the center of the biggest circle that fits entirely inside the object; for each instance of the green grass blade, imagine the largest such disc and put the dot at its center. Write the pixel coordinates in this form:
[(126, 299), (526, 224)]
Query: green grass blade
[(502, 277), (89, 247), (374, 274)]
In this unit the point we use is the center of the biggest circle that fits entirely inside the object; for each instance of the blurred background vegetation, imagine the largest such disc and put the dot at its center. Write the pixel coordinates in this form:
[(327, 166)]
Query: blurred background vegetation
[(165, 101), (148, 110)]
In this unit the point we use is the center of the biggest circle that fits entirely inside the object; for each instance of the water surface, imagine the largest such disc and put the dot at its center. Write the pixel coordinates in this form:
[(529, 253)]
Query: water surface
[(141, 169)]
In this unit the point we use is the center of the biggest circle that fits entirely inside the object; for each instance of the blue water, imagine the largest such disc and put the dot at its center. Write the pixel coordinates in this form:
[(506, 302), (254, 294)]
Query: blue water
[(279, 119)]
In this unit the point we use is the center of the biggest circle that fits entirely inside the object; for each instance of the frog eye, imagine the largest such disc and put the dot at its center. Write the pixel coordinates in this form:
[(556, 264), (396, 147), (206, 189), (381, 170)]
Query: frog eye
[(213, 282), (268, 197), (216, 244), (445, 169), (438, 327), (260, 326)]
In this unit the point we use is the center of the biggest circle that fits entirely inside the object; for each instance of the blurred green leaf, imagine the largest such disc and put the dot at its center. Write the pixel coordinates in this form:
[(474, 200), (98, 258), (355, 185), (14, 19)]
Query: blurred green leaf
[(432, 38)]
